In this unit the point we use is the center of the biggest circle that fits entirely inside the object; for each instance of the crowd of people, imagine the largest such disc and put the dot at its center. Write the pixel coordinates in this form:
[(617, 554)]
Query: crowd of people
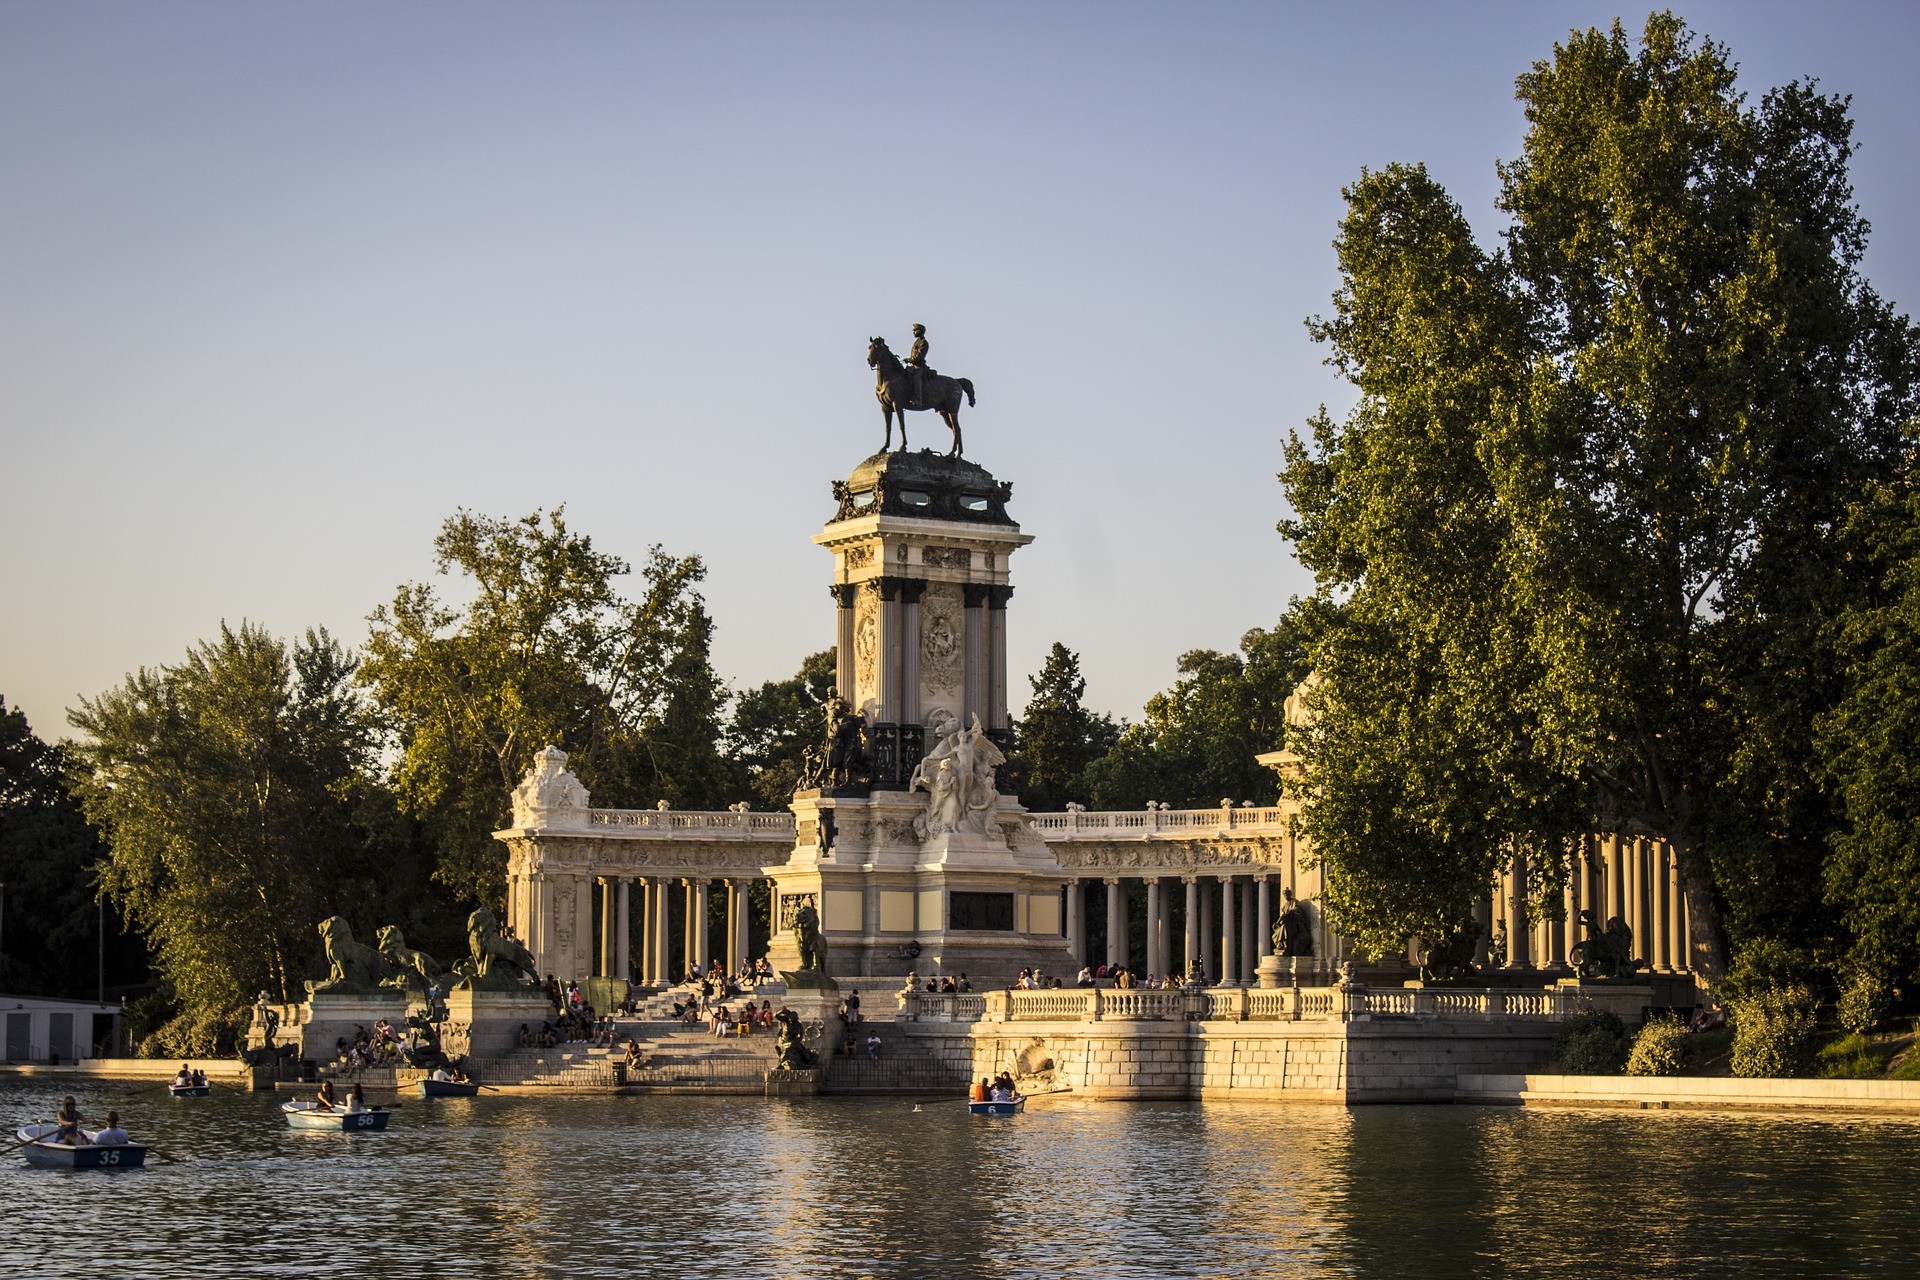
[(998, 1089), (377, 1048)]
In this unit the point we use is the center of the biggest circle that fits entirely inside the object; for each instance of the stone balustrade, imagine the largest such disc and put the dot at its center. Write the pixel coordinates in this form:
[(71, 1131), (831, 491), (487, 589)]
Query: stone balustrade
[(1236, 1004), (1143, 823), (726, 822)]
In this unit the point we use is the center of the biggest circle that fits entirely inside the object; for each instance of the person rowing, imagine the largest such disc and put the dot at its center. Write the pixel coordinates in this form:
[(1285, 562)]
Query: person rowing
[(184, 1079), (324, 1100), (113, 1135)]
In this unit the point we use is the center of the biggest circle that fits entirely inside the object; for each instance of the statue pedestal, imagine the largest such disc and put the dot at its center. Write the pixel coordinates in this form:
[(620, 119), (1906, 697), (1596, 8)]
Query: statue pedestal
[(1271, 972), (1628, 999), (486, 1024), (326, 1018)]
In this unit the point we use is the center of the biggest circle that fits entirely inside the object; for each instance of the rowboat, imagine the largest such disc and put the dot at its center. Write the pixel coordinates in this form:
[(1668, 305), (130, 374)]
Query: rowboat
[(1011, 1107), (311, 1115), (39, 1148), (189, 1090), (448, 1088)]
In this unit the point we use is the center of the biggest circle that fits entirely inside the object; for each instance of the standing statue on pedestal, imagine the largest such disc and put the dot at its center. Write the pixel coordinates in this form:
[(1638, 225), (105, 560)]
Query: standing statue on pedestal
[(915, 386), (1293, 932), (841, 760)]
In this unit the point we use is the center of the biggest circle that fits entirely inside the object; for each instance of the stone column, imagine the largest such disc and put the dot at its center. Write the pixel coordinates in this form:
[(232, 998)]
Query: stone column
[(1677, 917), (910, 589), (1263, 945), (1483, 929), (702, 935), (1249, 939), (1209, 952), (974, 695), (886, 638), (1076, 915), (662, 950), (1229, 935), (1555, 949), (844, 594), (996, 721), (1518, 955), (1153, 925), (1192, 960), (1636, 885), (604, 958), (1116, 922), (1616, 876), (1662, 906), (622, 933)]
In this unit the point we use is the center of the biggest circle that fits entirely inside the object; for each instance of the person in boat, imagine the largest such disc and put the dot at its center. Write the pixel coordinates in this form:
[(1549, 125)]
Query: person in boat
[(980, 1091), (356, 1101), (67, 1120), (442, 1075), (199, 1078), (113, 1135), (325, 1099), (184, 1079)]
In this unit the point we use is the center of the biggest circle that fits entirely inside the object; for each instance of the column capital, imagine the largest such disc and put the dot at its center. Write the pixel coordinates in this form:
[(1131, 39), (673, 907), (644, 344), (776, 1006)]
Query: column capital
[(998, 594), (843, 593), (896, 587), (974, 594)]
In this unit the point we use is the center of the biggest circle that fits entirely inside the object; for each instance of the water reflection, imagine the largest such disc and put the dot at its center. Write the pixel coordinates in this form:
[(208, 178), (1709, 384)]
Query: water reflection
[(849, 1187)]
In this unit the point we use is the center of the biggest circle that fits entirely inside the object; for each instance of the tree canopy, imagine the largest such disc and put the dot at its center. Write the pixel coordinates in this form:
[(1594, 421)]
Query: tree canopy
[(775, 725), (1589, 484), (1058, 738), (546, 651)]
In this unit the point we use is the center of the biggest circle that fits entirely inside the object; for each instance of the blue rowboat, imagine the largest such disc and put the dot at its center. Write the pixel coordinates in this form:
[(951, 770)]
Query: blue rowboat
[(1010, 1108), (189, 1090), (38, 1147), (311, 1115), (448, 1088)]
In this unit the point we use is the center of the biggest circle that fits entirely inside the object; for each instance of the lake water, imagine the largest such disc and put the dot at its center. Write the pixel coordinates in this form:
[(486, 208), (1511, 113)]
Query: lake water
[(847, 1187)]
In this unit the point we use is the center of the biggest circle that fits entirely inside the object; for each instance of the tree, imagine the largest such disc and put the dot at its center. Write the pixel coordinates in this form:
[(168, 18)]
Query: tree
[(229, 788), (775, 725), (1586, 474), (1058, 737), (547, 652), (50, 862), (1197, 742)]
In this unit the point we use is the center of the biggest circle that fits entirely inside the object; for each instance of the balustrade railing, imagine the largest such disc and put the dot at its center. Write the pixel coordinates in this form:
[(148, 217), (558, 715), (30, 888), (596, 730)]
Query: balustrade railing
[(1230, 1004), (729, 821), (1107, 824)]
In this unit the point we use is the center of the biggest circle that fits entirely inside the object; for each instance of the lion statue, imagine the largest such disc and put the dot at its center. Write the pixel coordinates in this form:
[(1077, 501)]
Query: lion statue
[(414, 971), (1607, 952), (496, 962), (352, 967), (807, 940), (790, 1042)]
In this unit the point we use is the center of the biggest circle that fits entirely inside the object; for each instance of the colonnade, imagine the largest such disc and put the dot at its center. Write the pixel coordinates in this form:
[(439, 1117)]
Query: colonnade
[(1632, 877), (1227, 924), (635, 908)]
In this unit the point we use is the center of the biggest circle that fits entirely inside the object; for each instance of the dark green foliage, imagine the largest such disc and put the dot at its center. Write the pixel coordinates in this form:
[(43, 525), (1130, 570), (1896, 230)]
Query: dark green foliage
[(1865, 1001), (1591, 1043), (1660, 1049), (233, 792), (1773, 1032), (1058, 738), (1197, 742), (1580, 523), (49, 862), (548, 652), (774, 726)]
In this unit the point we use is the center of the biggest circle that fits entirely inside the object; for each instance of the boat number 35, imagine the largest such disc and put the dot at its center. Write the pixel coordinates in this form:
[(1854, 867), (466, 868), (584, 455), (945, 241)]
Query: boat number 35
[(109, 1157)]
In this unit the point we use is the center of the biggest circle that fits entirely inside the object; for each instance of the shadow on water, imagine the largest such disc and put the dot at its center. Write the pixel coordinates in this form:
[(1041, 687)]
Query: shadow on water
[(741, 1187)]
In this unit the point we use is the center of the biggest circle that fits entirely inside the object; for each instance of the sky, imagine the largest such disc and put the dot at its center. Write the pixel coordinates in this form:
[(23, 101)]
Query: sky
[(283, 286)]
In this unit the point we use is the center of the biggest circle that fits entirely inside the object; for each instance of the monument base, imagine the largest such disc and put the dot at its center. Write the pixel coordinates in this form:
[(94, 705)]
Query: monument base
[(486, 1024), (326, 1019), (1628, 1000)]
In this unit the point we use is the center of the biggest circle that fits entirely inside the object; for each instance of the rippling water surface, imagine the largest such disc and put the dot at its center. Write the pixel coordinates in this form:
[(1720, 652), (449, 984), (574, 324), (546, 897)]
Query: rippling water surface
[(739, 1187)]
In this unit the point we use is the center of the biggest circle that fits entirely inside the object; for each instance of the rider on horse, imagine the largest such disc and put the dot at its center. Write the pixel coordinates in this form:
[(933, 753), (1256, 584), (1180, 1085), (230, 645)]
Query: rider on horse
[(917, 363)]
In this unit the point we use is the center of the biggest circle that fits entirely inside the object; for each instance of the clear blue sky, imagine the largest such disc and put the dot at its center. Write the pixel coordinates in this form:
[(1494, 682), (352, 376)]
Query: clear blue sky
[(281, 286)]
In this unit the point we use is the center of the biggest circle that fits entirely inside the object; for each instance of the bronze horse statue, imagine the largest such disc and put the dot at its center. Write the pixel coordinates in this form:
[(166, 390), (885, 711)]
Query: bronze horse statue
[(893, 387)]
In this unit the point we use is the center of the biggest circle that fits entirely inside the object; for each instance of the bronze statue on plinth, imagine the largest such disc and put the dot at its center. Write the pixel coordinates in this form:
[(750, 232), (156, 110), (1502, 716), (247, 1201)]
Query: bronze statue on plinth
[(915, 385)]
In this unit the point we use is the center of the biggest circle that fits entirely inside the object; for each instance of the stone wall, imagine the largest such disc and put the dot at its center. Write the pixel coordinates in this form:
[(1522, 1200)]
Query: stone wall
[(1343, 1062)]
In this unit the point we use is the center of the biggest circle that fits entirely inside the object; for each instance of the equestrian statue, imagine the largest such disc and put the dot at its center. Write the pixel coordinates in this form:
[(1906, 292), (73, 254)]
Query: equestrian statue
[(915, 385)]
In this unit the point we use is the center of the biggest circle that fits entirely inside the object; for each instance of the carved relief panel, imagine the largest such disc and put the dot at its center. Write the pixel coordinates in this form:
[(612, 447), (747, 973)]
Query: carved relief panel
[(942, 632), (866, 646)]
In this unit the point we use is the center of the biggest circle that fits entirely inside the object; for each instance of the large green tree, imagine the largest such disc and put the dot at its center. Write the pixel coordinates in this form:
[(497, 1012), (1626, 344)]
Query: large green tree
[(1196, 743), (1058, 737), (546, 650), (1585, 473), (232, 792), (50, 863), (775, 725)]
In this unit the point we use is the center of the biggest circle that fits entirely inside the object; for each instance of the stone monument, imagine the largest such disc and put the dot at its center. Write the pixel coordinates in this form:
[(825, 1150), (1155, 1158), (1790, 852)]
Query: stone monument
[(352, 996), (906, 850)]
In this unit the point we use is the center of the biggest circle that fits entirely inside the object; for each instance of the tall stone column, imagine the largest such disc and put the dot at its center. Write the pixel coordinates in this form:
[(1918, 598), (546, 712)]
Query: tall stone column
[(622, 932), (1263, 944), (702, 936), (998, 727), (974, 596), (1483, 929), (1662, 906), (1677, 917), (604, 960), (1249, 936), (1153, 924), (844, 594), (1636, 883), (886, 621), (662, 949), (1616, 855), (910, 591), (1209, 950), (1556, 937), (1076, 915), (1518, 954), (1229, 935), (1116, 922), (1192, 957), (539, 925)]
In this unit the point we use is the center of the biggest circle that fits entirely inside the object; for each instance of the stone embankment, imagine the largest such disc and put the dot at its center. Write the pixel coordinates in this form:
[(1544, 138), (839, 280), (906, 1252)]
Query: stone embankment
[(1720, 1093)]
